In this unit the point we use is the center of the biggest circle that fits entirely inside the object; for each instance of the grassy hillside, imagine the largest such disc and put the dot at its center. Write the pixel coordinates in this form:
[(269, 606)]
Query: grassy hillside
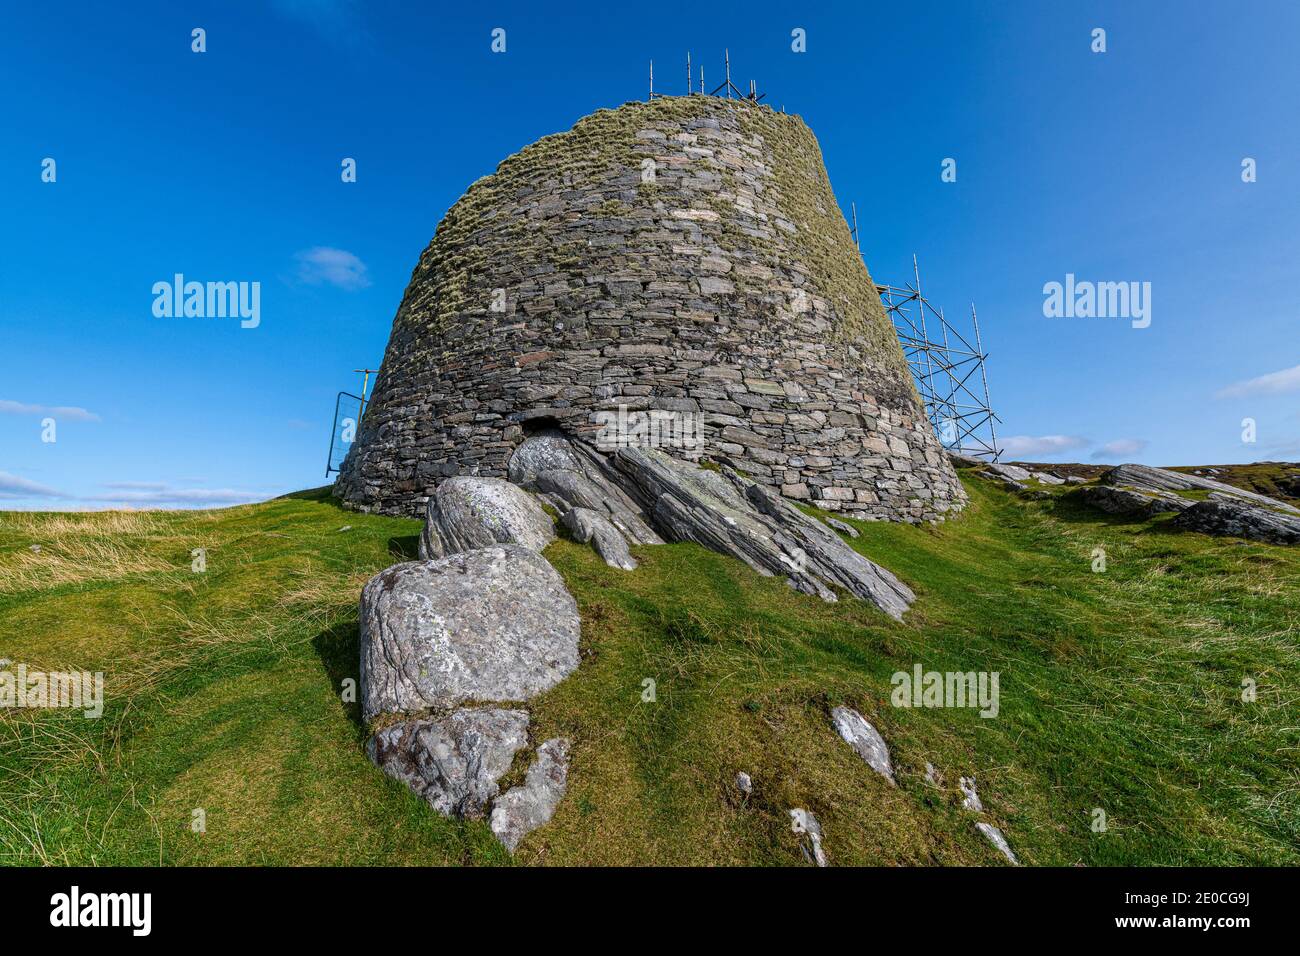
[(1119, 690)]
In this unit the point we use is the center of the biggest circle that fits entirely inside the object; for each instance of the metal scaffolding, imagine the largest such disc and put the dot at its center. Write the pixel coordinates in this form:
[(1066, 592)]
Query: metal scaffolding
[(949, 371)]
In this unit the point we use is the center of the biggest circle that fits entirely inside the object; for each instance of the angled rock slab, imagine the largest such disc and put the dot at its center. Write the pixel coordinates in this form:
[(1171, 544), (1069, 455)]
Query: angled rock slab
[(1239, 519), (1119, 500), (452, 762), (727, 514), (865, 739), (843, 527), (994, 836), (810, 832), (521, 810), (568, 474), (496, 624), (1160, 479), (1010, 472), (586, 525), (466, 513)]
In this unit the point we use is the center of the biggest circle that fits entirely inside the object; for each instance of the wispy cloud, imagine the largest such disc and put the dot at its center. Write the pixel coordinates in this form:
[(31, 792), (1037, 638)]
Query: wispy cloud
[(336, 267), (124, 494), (1028, 446), (12, 486), (65, 412), (1120, 448), (1274, 383)]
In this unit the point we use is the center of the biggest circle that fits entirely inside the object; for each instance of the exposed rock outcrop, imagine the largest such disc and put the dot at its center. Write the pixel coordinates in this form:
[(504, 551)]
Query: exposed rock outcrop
[(496, 624), (468, 513), (810, 831), (994, 836), (865, 739), (726, 513), (1241, 519), (1118, 500), (1160, 479)]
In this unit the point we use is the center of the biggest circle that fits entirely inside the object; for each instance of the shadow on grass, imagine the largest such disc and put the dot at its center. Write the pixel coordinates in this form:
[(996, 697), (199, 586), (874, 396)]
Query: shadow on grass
[(339, 650), (405, 548)]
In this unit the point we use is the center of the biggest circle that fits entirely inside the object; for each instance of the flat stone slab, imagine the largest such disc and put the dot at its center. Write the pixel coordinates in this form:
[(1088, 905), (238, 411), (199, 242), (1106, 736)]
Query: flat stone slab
[(521, 810), (466, 513), (865, 739), (495, 624), (453, 763)]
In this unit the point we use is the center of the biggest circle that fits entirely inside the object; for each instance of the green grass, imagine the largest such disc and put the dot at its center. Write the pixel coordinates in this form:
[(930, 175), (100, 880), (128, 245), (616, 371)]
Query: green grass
[(1119, 690)]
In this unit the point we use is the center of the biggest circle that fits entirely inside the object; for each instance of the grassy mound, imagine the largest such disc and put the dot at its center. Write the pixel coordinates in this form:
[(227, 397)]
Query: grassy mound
[(1120, 691)]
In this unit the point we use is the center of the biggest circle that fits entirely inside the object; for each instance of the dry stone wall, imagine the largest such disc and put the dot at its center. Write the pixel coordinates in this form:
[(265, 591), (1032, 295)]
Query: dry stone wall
[(685, 255)]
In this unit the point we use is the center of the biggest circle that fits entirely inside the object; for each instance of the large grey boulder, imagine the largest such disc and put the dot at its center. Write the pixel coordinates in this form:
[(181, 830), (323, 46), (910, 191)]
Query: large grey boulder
[(470, 512), (1160, 479), (865, 739), (586, 525), (521, 810), (454, 762), (496, 624), (1118, 500), (1241, 519), (726, 513)]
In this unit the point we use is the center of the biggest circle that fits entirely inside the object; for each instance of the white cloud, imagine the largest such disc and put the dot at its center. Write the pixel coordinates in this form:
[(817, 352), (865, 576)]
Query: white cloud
[(1274, 383), (336, 267), (1029, 447), (1120, 448), (67, 412)]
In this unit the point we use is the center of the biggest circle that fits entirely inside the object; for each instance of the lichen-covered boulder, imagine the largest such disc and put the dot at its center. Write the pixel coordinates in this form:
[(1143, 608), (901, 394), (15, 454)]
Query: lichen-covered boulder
[(495, 624), (467, 513), (453, 763)]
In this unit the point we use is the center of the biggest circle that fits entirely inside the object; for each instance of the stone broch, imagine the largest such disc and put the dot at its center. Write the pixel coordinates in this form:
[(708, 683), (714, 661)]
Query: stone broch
[(564, 286)]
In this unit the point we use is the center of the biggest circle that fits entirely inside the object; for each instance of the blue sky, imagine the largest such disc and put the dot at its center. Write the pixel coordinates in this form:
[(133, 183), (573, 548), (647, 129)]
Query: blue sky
[(225, 166)]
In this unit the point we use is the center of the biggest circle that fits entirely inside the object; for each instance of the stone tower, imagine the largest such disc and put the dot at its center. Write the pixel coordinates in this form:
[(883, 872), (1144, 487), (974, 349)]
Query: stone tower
[(684, 255)]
